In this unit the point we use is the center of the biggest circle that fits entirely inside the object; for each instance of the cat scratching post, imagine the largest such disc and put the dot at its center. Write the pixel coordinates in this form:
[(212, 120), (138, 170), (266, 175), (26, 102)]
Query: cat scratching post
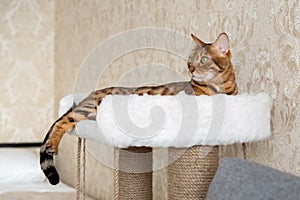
[(191, 127), (133, 173), (190, 176)]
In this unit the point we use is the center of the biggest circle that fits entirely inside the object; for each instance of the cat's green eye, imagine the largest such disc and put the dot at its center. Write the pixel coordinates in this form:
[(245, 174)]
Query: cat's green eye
[(204, 59)]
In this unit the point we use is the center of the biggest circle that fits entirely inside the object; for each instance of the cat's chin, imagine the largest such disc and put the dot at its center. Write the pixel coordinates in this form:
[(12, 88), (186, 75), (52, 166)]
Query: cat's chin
[(203, 77), (198, 79)]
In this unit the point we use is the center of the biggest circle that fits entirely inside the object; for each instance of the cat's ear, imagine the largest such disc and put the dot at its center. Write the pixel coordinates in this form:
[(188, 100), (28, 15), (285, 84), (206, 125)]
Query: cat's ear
[(222, 43), (197, 40)]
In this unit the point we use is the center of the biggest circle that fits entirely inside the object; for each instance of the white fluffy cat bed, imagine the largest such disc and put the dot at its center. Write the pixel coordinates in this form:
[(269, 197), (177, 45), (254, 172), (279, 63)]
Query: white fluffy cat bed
[(183, 123)]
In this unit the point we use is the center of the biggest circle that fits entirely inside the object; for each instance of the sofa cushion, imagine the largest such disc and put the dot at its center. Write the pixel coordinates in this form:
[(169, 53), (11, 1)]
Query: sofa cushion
[(238, 179)]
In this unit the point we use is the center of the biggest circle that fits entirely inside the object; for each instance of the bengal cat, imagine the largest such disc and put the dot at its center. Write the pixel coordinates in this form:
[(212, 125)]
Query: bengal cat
[(212, 73)]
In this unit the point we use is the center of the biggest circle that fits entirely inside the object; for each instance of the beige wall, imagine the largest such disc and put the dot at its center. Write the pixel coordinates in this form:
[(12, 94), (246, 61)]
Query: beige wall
[(81, 25), (26, 69), (265, 39)]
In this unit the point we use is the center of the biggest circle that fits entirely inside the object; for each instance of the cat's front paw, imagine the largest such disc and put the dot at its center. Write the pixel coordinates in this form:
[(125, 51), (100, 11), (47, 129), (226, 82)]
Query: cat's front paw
[(51, 148)]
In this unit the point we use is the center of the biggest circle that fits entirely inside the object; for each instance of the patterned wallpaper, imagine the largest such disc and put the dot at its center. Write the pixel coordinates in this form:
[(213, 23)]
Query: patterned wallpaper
[(266, 54), (26, 69), (265, 40), (80, 26)]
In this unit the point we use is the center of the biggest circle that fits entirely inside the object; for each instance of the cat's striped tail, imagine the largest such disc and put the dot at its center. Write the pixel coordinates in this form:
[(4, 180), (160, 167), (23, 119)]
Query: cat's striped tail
[(47, 165), (47, 151), (56, 132)]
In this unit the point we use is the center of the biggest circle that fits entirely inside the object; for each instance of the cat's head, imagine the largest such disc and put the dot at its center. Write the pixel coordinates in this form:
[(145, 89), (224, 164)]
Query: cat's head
[(208, 60)]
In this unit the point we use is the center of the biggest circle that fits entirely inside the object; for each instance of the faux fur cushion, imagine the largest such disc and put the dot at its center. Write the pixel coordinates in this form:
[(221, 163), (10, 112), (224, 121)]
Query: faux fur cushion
[(176, 121)]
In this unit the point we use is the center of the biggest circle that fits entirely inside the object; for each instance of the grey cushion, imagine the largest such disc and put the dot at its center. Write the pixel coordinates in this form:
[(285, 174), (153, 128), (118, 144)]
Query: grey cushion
[(238, 179)]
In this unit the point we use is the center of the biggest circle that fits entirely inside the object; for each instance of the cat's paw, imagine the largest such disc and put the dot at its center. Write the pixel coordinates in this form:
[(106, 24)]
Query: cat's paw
[(51, 148)]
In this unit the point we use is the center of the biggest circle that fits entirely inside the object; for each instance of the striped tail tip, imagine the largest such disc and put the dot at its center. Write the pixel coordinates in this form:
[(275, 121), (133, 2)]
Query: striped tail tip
[(52, 175), (47, 165)]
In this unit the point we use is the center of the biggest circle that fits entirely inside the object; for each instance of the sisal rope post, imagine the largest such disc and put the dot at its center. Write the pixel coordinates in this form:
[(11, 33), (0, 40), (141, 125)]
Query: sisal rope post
[(244, 150), (133, 173), (189, 176), (78, 168), (84, 167), (116, 174)]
